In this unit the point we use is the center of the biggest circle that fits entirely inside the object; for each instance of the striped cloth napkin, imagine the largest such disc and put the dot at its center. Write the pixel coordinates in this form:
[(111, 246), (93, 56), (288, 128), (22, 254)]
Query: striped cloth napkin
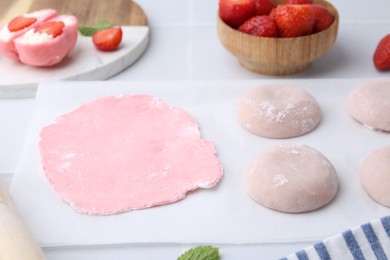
[(365, 242)]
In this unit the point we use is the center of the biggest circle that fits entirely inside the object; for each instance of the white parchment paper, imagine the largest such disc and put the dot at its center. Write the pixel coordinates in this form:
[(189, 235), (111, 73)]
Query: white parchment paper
[(224, 214)]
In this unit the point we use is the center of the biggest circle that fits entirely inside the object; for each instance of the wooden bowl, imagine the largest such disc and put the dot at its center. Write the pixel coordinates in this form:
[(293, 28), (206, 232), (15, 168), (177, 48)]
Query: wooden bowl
[(278, 56)]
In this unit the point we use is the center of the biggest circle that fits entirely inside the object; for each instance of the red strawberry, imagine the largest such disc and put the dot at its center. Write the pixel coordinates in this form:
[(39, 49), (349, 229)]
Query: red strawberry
[(107, 39), (236, 12), (53, 28), (272, 13), (294, 20), (299, 2), (323, 18), (263, 26), (20, 22), (382, 54), (264, 7)]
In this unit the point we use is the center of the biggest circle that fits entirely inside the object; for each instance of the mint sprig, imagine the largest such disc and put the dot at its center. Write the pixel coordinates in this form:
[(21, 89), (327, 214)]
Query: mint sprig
[(90, 30), (201, 253)]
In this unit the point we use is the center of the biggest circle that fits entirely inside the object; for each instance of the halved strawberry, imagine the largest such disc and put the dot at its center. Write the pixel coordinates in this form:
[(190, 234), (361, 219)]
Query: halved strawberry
[(263, 26), (264, 7), (107, 39), (323, 18), (236, 12), (52, 28), (294, 20), (382, 54), (299, 2), (20, 22)]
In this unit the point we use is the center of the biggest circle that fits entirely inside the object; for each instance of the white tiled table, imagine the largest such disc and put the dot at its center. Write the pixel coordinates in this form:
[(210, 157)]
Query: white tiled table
[(184, 46)]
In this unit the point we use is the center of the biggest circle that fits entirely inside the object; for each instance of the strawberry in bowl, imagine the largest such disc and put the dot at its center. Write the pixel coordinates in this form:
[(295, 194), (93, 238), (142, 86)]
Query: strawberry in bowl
[(284, 39)]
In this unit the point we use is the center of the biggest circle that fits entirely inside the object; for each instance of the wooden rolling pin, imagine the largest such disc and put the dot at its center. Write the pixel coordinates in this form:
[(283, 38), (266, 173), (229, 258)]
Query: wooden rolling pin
[(16, 241)]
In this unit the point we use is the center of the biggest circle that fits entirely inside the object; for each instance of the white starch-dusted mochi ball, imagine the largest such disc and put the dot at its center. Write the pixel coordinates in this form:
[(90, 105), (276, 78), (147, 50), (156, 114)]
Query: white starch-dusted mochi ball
[(278, 111), (375, 175), (369, 103), (291, 178)]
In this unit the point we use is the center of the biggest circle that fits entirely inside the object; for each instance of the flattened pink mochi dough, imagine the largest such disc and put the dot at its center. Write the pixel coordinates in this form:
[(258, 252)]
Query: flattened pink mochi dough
[(121, 153), (369, 103), (278, 111), (291, 178), (375, 175)]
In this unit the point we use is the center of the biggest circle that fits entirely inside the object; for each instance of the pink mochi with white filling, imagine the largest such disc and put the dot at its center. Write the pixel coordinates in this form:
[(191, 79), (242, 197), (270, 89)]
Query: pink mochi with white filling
[(7, 46), (43, 50)]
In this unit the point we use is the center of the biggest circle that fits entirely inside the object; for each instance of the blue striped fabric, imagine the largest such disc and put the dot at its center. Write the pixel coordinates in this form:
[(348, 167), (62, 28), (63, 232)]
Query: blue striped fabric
[(374, 242), (302, 255), (366, 242), (386, 225), (353, 245), (322, 251)]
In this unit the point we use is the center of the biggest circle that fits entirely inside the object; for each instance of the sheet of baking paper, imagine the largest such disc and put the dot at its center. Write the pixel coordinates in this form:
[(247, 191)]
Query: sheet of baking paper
[(224, 214)]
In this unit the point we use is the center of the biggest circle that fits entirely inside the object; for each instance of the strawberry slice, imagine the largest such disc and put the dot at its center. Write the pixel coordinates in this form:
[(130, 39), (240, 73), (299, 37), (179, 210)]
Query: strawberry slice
[(20, 22), (236, 12), (107, 39), (52, 28), (263, 26), (382, 54), (264, 7), (294, 20)]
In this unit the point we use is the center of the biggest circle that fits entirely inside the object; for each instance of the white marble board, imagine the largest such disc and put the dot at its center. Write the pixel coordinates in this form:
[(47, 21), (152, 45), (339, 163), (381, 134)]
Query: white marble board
[(84, 62)]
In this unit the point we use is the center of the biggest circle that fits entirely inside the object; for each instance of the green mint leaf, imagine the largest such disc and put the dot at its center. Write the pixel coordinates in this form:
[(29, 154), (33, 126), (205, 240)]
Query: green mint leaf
[(90, 30), (201, 253)]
